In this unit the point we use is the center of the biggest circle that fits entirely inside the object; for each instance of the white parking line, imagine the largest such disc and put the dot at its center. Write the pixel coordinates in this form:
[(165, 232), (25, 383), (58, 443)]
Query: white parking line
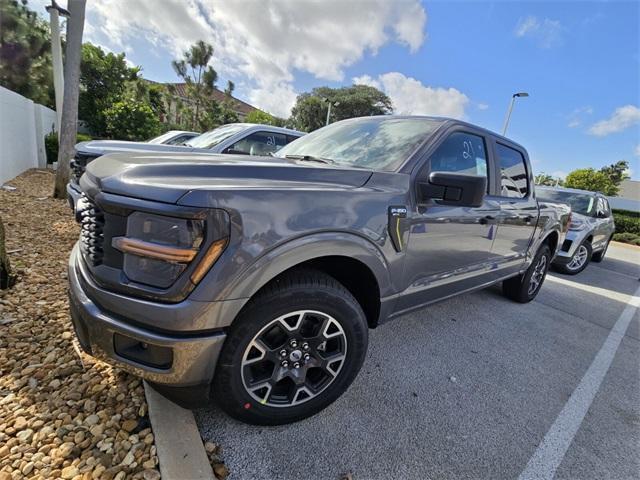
[(549, 454)]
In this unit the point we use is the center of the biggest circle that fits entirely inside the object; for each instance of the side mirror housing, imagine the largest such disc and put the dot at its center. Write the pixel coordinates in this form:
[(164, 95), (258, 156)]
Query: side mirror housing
[(457, 189)]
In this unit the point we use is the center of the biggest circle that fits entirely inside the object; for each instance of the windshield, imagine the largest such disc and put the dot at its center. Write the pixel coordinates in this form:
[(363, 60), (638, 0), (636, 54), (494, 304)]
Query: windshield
[(581, 203), (375, 143), (162, 138), (214, 137)]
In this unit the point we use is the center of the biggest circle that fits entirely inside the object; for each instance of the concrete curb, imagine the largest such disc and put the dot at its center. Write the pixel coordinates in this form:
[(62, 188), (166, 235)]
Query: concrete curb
[(178, 443), (625, 245)]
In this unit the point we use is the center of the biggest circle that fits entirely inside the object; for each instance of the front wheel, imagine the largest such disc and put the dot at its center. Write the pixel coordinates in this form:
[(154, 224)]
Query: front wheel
[(526, 286), (579, 261), (292, 351)]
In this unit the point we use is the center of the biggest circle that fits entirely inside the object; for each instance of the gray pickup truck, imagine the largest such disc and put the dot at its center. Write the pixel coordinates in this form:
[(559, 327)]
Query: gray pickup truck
[(253, 281)]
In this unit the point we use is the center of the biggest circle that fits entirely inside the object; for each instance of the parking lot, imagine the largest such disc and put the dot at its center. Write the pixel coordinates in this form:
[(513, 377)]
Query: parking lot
[(470, 387)]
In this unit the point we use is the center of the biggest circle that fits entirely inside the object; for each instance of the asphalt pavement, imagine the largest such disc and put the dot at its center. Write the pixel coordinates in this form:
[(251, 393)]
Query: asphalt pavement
[(476, 387)]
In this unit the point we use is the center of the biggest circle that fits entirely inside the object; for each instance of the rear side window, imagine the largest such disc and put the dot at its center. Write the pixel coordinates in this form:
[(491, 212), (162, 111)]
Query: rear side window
[(513, 173), (602, 208)]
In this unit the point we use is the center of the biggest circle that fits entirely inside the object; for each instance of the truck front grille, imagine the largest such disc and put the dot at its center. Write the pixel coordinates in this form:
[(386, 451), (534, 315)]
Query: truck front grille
[(91, 230), (79, 165)]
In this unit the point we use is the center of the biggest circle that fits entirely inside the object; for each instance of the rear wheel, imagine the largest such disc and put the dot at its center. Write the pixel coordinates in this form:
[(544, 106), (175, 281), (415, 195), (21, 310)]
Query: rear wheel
[(526, 286), (579, 261), (293, 351)]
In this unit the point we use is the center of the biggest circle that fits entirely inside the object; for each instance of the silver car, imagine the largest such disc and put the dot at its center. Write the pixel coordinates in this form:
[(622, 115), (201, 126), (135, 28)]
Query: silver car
[(233, 138), (590, 230)]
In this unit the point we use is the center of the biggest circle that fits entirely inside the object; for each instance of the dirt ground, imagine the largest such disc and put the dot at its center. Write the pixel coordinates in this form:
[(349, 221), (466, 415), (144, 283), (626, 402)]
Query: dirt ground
[(62, 413)]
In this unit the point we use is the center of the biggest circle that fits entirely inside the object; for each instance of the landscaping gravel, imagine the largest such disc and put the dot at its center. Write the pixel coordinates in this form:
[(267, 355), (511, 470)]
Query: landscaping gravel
[(63, 414)]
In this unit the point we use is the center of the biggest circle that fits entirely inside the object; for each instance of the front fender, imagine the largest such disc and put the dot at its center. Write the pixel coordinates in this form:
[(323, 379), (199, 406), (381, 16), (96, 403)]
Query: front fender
[(309, 247)]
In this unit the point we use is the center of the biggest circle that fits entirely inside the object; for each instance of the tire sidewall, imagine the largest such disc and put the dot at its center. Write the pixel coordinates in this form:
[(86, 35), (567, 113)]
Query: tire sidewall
[(543, 250), (229, 389)]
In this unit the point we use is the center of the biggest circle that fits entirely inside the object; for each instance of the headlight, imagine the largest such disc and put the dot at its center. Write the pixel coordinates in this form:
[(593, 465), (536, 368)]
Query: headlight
[(157, 249), (577, 225)]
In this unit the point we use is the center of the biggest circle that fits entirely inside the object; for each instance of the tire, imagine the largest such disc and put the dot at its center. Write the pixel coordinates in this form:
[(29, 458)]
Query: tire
[(524, 288), (324, 320), (599, 256), (575, 266)]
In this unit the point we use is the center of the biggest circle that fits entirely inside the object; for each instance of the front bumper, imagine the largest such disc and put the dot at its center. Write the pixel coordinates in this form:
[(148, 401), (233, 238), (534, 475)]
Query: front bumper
[(175, 360), (571, 243)]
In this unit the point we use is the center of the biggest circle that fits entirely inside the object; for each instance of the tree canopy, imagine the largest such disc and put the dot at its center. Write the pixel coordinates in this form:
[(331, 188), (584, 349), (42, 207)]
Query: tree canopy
[(103, 82), (25, 53), (607, 180), (592, 180), (310, 110)]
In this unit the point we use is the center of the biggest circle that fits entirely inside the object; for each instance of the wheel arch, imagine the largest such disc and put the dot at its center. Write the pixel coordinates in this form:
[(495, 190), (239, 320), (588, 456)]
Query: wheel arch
[(355, 262)]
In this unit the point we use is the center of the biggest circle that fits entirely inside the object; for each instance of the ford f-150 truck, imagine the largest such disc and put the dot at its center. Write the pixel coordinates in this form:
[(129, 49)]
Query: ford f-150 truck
[(253, 281)]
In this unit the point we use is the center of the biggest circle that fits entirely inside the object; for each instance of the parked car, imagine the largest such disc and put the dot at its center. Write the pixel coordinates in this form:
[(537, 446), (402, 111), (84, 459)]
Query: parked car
[(237, 138), (255, 280), (173, 137), (590, 230)]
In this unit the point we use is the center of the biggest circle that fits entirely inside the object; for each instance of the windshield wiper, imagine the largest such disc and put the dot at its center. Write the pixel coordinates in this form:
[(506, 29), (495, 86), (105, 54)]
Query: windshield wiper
[(310, 158)]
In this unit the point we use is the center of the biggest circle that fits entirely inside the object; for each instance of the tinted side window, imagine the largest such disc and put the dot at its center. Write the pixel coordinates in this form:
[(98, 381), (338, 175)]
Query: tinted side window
[(602, 208), (513, 173), (461, 153), (259, 143)]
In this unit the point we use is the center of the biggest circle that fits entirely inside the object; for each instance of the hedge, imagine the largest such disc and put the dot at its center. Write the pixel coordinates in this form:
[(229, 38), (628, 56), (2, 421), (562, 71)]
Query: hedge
[(631, 238), (627, 221), (51, 145)]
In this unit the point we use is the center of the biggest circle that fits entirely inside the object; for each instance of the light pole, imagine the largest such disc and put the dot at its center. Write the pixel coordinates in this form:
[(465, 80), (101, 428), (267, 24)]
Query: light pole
[(56, 51), (508, 117), (335, 104)]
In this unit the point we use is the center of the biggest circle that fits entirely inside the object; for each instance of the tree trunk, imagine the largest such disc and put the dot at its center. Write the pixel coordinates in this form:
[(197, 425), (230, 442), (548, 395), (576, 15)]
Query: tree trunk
[(69, 127), (6, 278)]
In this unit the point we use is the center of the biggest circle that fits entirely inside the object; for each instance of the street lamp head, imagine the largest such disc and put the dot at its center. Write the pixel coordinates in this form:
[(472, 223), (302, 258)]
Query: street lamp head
[(54, 6), (521, 94)]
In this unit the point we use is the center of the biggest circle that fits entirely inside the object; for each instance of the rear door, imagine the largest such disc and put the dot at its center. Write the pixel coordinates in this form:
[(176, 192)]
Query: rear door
[(518, 207), (604, 226)]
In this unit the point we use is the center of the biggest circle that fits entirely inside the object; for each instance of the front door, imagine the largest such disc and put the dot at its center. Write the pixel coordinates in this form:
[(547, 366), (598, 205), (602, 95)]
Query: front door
[(449, 247), (518, 209)]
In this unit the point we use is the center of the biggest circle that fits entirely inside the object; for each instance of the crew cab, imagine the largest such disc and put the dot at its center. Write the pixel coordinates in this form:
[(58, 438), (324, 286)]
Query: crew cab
[(236, 138), (253, 281)]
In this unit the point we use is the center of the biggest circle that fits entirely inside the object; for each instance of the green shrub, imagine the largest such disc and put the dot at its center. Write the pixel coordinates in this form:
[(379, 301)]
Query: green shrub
[(631, 238), (51, 145), (627, 221), (131, 120)]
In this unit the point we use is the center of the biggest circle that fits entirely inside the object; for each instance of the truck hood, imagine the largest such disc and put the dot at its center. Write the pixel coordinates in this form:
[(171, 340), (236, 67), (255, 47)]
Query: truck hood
[(167, 177), (97, 148)]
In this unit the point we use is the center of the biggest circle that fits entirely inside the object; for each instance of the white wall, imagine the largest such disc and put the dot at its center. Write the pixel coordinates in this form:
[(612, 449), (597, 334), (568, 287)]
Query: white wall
[(23, 125)]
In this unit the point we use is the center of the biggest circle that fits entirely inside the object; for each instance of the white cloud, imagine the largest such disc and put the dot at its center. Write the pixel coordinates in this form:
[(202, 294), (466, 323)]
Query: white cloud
[(578, 116), (546, 33), (266, 42), (636, 152), (623, 118), (482, 106), (278, 98), (411, 97)]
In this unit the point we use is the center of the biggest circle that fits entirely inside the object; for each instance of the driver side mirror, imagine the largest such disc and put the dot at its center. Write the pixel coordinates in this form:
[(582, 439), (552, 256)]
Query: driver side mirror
[(456, 189)]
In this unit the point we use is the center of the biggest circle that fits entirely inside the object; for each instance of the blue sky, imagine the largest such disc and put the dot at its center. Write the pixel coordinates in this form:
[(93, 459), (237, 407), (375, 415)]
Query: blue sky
[(579, 61)]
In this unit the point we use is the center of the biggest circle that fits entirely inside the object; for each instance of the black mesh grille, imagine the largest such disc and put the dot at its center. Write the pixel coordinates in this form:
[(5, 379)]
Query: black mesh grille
[(91, 230), (566, 245)]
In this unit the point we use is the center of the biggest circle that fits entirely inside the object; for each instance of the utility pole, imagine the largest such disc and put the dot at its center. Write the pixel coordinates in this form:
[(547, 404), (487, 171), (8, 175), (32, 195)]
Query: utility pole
[(56, 51), (508, 117), (69, 126)]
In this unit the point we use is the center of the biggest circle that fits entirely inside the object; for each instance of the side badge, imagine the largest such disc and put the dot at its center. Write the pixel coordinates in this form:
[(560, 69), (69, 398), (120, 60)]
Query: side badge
[(395, 225)]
